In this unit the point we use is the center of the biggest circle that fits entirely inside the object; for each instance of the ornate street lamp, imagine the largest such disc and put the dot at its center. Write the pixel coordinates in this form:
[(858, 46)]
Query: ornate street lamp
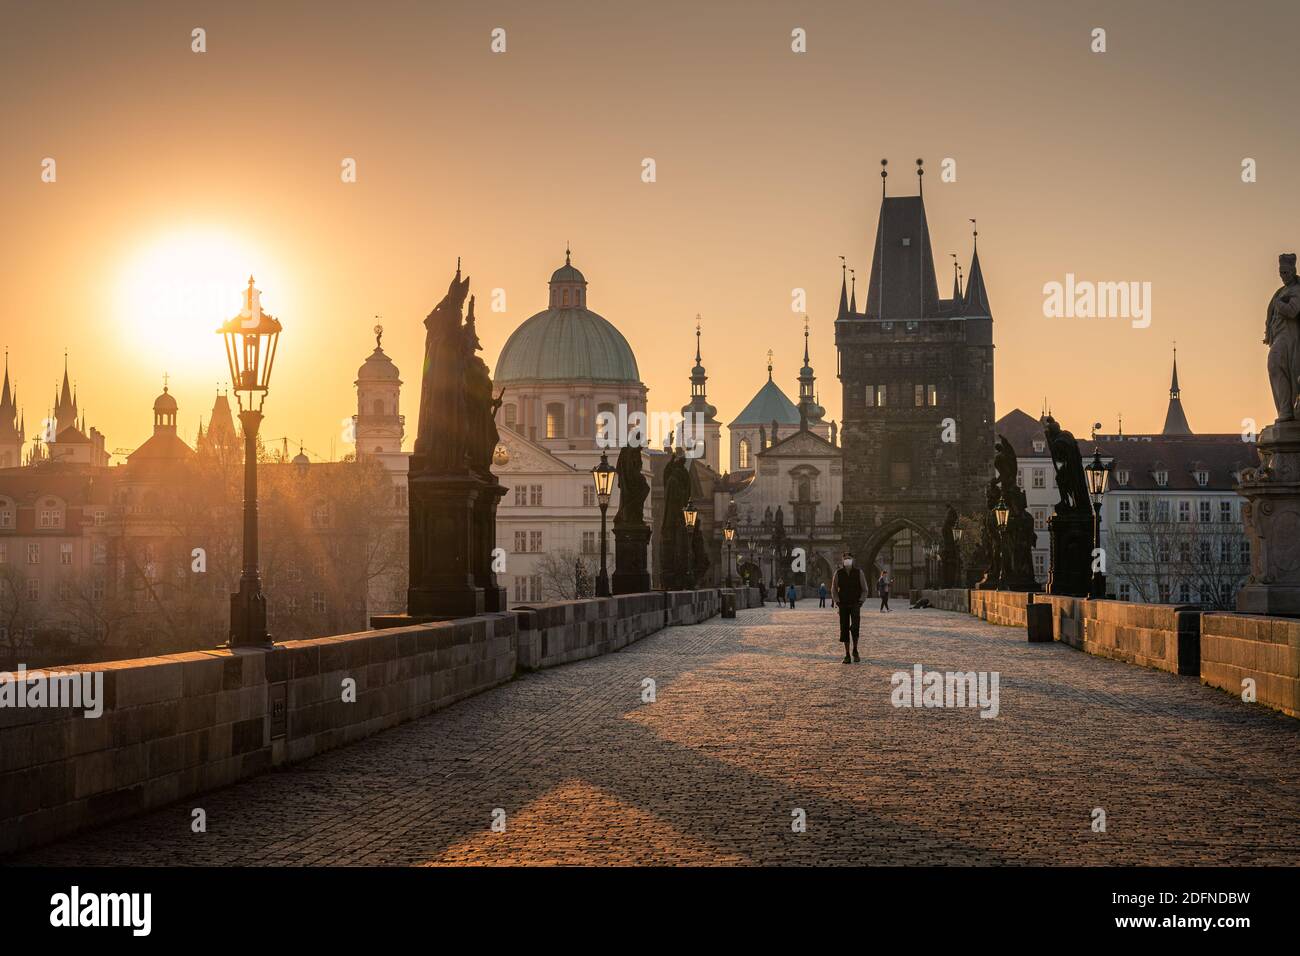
[(690, 514), (956, 540), (603, 476), (1098, 476), (729, 532), (250, 339), (1001, 512)]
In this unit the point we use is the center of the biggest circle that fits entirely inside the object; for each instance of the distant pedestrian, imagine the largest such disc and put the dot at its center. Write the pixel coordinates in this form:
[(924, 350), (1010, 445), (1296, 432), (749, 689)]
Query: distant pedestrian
[(848, 591), (821, 594), (883, 586), (780, 592), (791, 595)]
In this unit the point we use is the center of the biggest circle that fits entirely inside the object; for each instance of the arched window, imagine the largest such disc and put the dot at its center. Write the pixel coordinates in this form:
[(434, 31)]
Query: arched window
[(743, 453), (805, 488), (555, 420), (511, 415), (565, 300)]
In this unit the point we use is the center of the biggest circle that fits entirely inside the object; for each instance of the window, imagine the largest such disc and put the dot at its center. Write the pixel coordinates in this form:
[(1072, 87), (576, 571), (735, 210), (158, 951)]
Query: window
[(521, 588), (1162, 510), (535, 587), (1245, 551), (1039, 446), (534, 541), (1040, 477), (6, 514), (535, 495), (1040, 519), (1144, 511), (521, 495), (555, 420), (33, 554), (1225, 593), (589, 542), (521, 541), (1202, 478), (320, 515), (50, 518), (920, 395), (1040, 564), (511, 413), (1225, 510), (1184, 593), (1121, 477), (1204, 551), (588, 496), (291, 605), (65, 590), (1164, 592), (318, 601), (1162, 552), (1125, 591), (1203, 510), (1225, 551), (1184, 552), (881, 396), (33, 589), (99, 552), (99, 518), (1125, 511), (4, 552), (1125, 552), (1162, 478), (1020, 477), (65, 554), (742, 452), (932, 395), (97, 589), (1184, 511)]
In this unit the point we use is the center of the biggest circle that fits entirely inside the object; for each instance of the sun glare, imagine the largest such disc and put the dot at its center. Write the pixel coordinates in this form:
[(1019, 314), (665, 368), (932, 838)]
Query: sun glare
[(176, 291)]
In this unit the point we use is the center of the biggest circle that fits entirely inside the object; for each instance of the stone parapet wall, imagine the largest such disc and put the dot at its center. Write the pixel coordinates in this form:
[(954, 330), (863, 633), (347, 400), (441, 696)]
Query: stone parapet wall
[(946, 599), (182, 724), (1235, 647), (1000, 607)]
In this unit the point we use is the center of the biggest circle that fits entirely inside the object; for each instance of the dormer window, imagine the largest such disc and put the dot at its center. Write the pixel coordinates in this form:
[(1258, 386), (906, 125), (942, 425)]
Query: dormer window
[(1202, 477), (1121, 477), (1039, 446), (1162, 478)]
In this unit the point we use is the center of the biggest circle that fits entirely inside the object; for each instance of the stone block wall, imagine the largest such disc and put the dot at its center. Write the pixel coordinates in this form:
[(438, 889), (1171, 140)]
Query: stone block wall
[(178, 725), (1000, 607), (947, 599), (1163, 636), (1266, 649)]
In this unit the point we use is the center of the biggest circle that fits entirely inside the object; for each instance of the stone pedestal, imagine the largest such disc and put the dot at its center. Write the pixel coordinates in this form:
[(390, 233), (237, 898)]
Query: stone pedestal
[(444, 515), (1070, 572), (631, 559), (485, 532), (1272, 520)]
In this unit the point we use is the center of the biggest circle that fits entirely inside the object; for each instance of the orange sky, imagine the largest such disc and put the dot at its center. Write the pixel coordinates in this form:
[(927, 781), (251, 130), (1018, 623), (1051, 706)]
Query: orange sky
[(1116, 166)]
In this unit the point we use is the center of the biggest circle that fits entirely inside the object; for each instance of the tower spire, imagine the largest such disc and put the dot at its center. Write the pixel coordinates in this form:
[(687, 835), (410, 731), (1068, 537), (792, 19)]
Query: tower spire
[(844, 287), (1175, 417), (853, 294)]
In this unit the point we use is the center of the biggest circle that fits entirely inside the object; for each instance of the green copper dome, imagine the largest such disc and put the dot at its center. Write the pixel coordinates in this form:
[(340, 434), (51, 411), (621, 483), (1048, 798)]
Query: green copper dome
[(566, 345), (568, 342)]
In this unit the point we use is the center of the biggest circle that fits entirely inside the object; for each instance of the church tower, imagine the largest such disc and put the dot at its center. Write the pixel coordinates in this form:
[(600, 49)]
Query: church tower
[(11, 426), (378, 426), (701, 423), (1175, 417), (917, 378)]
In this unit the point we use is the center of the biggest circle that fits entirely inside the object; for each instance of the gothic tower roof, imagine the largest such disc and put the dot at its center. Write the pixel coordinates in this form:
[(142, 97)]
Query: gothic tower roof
[(1175, 417)]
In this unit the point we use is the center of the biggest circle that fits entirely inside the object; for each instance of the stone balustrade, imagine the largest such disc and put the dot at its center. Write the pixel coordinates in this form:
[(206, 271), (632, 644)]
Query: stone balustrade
[(175, 726)]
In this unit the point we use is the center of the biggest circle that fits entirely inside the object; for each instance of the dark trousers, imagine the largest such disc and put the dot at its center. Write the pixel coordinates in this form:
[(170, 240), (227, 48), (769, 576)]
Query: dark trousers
[(822, 601), (850, 621), (884, 600)]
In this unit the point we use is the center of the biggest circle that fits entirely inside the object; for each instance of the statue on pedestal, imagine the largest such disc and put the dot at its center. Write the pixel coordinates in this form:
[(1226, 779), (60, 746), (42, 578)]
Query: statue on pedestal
[(1282, 336), (631, 533), (672, 530), (1070, 526)]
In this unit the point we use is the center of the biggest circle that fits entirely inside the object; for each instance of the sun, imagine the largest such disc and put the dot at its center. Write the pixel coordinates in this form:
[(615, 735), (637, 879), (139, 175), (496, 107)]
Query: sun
[(177, 289)]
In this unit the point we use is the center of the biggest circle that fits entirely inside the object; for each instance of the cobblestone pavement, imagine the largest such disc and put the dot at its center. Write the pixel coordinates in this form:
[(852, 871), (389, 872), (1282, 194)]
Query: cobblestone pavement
[(755, 718)]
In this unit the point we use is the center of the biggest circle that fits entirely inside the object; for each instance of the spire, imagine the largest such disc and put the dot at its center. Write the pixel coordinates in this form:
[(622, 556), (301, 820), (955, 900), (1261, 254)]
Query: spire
[(769, 365), (699, 394), (809, 410), (1175, 417), (976, 302), (902, 285), (844, 288), (956, 282), (853, 295)]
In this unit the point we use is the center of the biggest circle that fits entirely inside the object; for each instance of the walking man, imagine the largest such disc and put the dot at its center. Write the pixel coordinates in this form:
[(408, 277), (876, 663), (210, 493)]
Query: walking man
[(883, 585), (791, 595), (821, 594), (848, 591)]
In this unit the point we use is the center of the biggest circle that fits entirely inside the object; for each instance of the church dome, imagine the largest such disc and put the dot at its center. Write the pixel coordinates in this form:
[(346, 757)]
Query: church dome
[(378, 367), (164, 402), (567, 342)]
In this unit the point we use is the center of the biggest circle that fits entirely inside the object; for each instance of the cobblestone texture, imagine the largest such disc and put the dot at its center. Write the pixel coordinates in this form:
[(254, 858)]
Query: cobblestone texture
[(756, 717)]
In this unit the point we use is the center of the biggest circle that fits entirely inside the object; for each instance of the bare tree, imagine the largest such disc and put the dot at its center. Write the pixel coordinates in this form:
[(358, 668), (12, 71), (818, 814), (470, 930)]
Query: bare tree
[(562, 572)]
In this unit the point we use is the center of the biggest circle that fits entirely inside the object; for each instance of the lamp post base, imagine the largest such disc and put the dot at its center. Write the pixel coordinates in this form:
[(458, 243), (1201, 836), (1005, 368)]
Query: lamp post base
[(248, 616)]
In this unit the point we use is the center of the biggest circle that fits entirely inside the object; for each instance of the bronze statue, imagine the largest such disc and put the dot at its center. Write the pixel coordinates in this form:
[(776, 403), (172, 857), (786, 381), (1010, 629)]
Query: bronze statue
[(1282, 336), (442, 393), (1068, 463), (1005, 463), (633, 489), (672, 531), (481, 435)]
